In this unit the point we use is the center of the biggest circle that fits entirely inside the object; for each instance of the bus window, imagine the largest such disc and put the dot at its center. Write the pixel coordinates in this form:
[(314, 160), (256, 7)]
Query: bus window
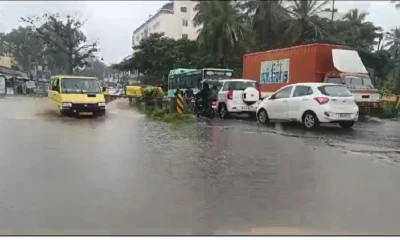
[(170, 83), (188, 81), (181, 82), (176, 80), (198, 82)]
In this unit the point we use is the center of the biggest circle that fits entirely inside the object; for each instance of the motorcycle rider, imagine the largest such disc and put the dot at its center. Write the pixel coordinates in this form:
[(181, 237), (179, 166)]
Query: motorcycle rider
[(214, 93), (189, 93), (203, 95)]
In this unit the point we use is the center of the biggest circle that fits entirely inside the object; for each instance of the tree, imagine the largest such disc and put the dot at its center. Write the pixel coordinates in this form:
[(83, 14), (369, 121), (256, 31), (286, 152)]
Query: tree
[(268, 23), (223, 29), (355, 16), (156, 55), (26, 47), (3, 47), (64, 37), (393, 41), (305, 25), (361, 36), (397, 3), (97, 69)]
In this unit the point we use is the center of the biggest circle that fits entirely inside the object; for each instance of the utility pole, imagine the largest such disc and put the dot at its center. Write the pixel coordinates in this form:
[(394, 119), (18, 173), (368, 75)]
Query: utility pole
[(333, 9)]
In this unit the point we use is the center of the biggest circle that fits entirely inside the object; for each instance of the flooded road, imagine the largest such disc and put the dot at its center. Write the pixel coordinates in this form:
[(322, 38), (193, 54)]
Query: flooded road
[(123, 174)]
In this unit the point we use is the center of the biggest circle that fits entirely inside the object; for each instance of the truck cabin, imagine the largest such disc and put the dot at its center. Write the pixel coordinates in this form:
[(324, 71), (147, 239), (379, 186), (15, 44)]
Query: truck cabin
[(353, 81)]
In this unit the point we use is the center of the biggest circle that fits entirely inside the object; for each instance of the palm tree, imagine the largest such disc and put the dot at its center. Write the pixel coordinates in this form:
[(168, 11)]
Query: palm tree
[(305, 19), (268, 16), (355, 16), (223, 28), (393, 41), (397, 3)]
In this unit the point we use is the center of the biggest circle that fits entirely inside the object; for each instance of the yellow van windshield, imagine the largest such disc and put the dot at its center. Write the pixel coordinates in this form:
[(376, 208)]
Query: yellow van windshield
[(77, 85)]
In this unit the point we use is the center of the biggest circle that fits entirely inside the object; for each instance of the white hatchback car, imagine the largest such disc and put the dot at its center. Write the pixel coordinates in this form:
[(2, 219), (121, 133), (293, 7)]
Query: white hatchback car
[(310, 104), (237, 96)]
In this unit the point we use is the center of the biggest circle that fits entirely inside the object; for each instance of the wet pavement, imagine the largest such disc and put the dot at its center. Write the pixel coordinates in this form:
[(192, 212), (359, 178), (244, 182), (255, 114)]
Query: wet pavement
[(123, 174)]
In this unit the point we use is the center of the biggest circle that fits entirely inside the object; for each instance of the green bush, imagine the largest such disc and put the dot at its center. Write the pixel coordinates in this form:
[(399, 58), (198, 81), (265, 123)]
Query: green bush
[(388, 87), (389, 110), (164, 114)]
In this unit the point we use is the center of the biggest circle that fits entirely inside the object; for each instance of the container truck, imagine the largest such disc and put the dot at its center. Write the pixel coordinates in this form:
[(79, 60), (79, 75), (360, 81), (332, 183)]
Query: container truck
[(312, 63)]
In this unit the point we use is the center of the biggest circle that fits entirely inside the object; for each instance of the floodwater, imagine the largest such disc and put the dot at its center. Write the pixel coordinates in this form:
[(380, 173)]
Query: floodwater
[(124, 174)]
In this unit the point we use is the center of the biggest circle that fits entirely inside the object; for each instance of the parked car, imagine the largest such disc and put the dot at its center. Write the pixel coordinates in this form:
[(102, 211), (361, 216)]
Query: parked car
[(310, 104), (237, 96)]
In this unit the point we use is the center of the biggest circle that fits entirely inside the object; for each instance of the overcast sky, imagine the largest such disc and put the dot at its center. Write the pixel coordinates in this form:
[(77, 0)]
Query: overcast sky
[(112, 22)]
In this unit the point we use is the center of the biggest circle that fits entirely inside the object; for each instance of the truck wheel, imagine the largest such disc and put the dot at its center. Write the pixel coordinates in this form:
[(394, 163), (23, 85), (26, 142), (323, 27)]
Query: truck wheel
[(223, 112), (310, 120), (348, 124)]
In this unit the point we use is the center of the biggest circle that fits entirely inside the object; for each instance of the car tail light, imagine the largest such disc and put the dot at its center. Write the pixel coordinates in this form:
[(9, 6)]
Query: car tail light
[(214, 103), (321, 100), (230, 95)]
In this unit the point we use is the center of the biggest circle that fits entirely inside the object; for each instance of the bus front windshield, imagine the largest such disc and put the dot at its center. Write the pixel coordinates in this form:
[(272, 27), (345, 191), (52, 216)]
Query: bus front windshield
[(77, 85), (358, 82)]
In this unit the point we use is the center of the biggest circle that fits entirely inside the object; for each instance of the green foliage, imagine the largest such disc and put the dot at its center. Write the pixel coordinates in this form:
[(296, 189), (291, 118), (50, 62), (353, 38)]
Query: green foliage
[(389, 110), (397, 3), (224, 29), (96, 69), (388, 87), (233, 28), (164, 114), (25, 46), (63, 39), (157, 55)]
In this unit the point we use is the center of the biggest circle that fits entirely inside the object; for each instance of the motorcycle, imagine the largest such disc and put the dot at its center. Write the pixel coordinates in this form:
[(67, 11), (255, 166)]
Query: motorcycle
[(206, 111)]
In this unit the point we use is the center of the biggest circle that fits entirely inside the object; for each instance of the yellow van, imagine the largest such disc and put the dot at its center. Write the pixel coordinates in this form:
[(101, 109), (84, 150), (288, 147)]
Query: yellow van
[(77, 95)]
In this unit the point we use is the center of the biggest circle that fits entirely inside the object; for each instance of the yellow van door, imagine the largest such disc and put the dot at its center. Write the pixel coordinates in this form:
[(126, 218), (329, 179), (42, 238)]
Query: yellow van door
[(54, 92)]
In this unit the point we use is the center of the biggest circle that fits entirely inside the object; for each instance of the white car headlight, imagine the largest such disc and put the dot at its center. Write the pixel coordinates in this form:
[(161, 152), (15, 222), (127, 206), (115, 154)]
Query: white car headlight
[(102, 104), (67, 104)]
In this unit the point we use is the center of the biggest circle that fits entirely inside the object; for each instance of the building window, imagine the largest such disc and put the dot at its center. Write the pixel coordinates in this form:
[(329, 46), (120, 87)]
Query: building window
[(184, 36), (184, 22), (183, 9)]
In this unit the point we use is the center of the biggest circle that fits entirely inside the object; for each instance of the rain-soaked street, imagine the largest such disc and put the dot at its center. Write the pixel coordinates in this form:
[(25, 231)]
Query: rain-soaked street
[(123, 174)]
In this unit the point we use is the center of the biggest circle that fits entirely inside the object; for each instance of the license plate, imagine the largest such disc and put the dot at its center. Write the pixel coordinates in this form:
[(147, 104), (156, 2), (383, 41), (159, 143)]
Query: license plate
[(246, 108), (85, 113), (344, 115)]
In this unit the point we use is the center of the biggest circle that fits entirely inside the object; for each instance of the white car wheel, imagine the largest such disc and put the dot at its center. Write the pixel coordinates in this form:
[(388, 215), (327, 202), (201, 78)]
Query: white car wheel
[(310, 120), (263, 116)]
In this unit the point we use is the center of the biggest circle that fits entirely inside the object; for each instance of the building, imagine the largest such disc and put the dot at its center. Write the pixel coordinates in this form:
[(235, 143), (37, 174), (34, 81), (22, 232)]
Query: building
[(174, 19)]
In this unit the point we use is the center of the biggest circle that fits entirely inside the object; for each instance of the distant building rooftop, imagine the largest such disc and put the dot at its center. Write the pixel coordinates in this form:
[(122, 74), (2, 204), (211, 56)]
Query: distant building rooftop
[(167, 8)]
